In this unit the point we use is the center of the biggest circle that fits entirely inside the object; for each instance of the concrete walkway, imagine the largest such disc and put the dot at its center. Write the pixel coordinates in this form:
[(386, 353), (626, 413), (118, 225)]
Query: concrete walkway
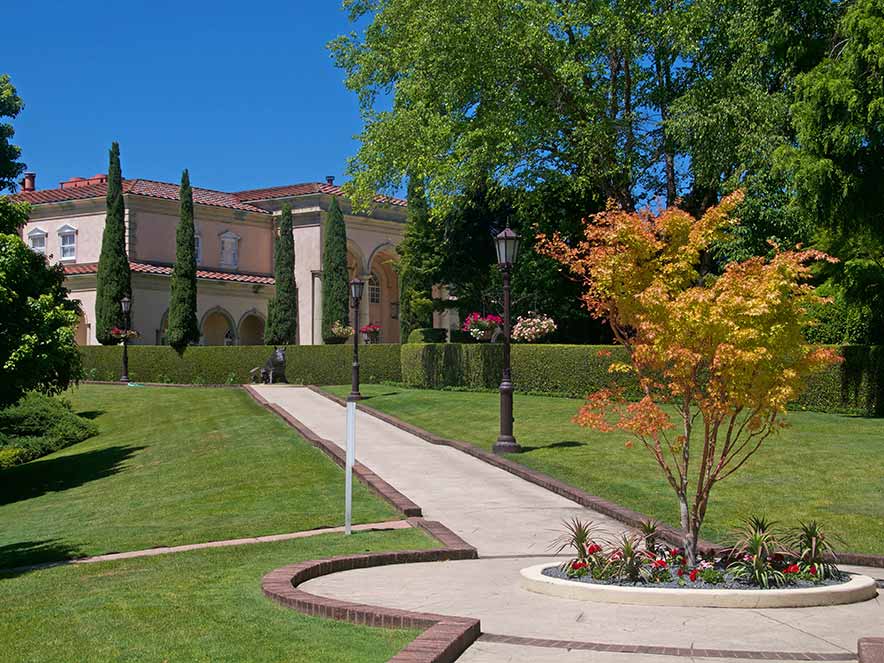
[(511, 522)]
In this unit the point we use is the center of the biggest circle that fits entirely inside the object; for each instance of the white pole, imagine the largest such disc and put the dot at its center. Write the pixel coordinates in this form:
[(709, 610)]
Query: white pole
[(348, 469)]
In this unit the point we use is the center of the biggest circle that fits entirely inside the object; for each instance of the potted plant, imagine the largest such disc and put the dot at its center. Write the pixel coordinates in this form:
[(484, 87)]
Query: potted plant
[(482, 327), (127, 334), (370, 333), (340, 333)]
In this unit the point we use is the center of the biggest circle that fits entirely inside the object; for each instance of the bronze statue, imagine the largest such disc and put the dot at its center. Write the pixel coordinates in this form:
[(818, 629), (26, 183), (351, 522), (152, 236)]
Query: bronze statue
[(273, 370)]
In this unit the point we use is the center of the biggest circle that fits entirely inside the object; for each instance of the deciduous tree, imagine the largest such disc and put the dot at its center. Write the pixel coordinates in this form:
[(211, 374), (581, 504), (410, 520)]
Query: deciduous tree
[(418, 267), (718, 359)]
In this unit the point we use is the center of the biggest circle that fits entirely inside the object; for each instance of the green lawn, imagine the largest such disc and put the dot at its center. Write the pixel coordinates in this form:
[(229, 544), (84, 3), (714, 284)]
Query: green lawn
[(195, 606), (170, 466), (824, 466)]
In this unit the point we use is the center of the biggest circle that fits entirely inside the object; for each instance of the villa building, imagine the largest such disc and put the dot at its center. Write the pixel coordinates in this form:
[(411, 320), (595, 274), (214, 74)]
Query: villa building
[(234, 245)]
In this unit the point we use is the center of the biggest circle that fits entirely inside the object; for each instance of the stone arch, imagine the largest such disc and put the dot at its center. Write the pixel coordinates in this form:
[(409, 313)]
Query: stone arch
[(163, 331), (217, 327), (356, 264), (384, 310), (384, 247), (250, 329)]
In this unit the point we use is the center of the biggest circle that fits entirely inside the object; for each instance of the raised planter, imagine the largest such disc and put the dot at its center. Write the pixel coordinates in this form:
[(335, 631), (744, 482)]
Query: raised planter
[(858, 588)]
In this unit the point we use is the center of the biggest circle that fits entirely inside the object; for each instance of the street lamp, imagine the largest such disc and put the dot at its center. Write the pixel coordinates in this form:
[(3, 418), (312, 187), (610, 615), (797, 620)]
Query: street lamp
[(125, 305), (356, 288), (507, 244)]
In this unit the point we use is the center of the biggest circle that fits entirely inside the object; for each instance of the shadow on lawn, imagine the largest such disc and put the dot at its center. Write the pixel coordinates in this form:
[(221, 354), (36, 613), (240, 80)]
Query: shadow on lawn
[(566, 444), (386, 393), (14, 556), (39, 477), (90, 414)]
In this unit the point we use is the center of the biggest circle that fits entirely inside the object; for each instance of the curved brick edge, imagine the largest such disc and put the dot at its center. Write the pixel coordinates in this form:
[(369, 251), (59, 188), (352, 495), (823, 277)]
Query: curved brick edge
[(444, 638), (365, 474), (673, 651), (606, 507)]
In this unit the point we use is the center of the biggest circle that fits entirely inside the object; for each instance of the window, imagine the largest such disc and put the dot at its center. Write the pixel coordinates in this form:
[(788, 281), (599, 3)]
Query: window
[(68, 240), (37, 240), (374, 290), (229, 250), (198, 249)]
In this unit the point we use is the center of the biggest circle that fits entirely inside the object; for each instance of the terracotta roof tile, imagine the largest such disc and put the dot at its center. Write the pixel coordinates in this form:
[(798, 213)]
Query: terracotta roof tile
[(286, 191), (151, 268), (139, 187)]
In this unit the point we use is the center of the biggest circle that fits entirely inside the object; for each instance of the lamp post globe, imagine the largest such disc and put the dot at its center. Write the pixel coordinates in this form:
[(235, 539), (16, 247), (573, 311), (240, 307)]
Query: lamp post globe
[(506, 242), (357, 287)]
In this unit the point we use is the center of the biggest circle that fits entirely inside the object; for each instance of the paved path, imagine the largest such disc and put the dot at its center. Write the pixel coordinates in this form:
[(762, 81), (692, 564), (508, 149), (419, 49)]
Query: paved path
[(511, 523)]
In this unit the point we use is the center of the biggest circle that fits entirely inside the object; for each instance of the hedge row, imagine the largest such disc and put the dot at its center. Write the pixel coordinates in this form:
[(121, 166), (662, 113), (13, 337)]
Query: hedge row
[(854, 387), (305, 364)]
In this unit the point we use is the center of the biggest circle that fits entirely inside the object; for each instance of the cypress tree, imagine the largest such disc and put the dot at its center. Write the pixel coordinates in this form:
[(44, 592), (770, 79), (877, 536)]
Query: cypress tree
[(114, 279), (282, 313), (418, 263), (183, 326), (335, 277)]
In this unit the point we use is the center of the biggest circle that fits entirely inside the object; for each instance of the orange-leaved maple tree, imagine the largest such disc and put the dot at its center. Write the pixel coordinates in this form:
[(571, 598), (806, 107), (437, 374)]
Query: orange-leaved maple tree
[(717, 358)]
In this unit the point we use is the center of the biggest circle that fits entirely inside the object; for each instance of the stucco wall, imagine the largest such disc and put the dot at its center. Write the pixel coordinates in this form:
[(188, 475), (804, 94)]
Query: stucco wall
[(89, 229)]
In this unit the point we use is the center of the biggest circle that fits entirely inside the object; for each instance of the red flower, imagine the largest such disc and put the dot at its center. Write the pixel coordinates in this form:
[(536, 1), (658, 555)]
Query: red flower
[(593, 548), (693, 575), (792, 568), (674, 552), (680, 572), (812, 569), (576, 566), (659, 563)]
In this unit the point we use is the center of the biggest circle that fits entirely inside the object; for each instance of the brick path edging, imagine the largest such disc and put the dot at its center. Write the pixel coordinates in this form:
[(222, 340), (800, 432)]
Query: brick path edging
[(365, 474), (870, 650), (444, 638), (606, 507)]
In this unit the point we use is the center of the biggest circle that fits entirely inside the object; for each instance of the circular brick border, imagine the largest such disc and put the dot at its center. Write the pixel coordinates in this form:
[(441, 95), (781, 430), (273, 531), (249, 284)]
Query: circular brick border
[(444, 639), (858, 588)]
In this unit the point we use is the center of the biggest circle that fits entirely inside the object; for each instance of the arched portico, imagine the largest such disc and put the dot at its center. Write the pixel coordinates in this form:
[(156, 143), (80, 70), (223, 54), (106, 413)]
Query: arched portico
[(251, 328), (382, 293), (217, 328)]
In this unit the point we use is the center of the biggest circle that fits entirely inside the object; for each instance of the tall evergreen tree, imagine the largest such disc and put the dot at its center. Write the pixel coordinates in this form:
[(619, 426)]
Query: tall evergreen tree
[(418, 263), (183, 326), (282, 314), (10, 106), (114, 279), (335, 277)]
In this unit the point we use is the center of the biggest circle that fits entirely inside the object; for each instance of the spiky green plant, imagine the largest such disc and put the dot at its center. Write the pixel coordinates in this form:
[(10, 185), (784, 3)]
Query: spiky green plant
[(577, 536), (809, 543)]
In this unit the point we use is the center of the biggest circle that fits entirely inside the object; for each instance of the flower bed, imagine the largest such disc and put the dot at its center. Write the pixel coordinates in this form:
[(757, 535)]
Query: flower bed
[(764, 560)]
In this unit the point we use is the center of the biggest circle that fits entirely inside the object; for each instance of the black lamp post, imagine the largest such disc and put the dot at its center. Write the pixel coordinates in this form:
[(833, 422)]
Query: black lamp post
[(356, 288), (125, 305), (507, 245)]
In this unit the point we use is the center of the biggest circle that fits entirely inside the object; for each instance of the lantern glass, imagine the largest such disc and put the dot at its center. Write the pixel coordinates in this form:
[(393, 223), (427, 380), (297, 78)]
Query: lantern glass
[(507, 245), (356, 288), (125, 303)]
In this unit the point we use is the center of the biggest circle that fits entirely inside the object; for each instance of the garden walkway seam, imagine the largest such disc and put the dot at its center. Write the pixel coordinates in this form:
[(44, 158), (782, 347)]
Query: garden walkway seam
[(611, 509), (225, 543)]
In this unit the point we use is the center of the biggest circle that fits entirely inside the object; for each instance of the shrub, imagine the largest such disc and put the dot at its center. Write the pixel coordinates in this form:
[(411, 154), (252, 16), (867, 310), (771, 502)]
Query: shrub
[(437, 365), (38, 425), (305, 364), (460, 336), (427, 335)]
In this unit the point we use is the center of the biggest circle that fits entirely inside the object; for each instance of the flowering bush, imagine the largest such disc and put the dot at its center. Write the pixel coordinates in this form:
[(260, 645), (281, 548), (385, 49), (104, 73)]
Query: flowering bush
[(127, 334), (341, 330), (370, 329), (481, 327), (533, 327)]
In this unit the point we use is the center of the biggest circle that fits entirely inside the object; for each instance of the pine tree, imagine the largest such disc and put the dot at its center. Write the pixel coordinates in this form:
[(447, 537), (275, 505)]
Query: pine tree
[(335, 277), (282, 313), (183, 326), (114, 279), (418, 263)]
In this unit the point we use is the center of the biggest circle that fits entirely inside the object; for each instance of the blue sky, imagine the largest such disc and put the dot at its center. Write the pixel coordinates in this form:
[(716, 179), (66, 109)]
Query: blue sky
[(244, 94)]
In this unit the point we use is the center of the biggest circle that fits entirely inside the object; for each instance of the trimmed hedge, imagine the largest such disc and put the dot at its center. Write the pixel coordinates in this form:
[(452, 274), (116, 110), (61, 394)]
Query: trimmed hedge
[(854, 387), (427, 335), (305, 364)]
